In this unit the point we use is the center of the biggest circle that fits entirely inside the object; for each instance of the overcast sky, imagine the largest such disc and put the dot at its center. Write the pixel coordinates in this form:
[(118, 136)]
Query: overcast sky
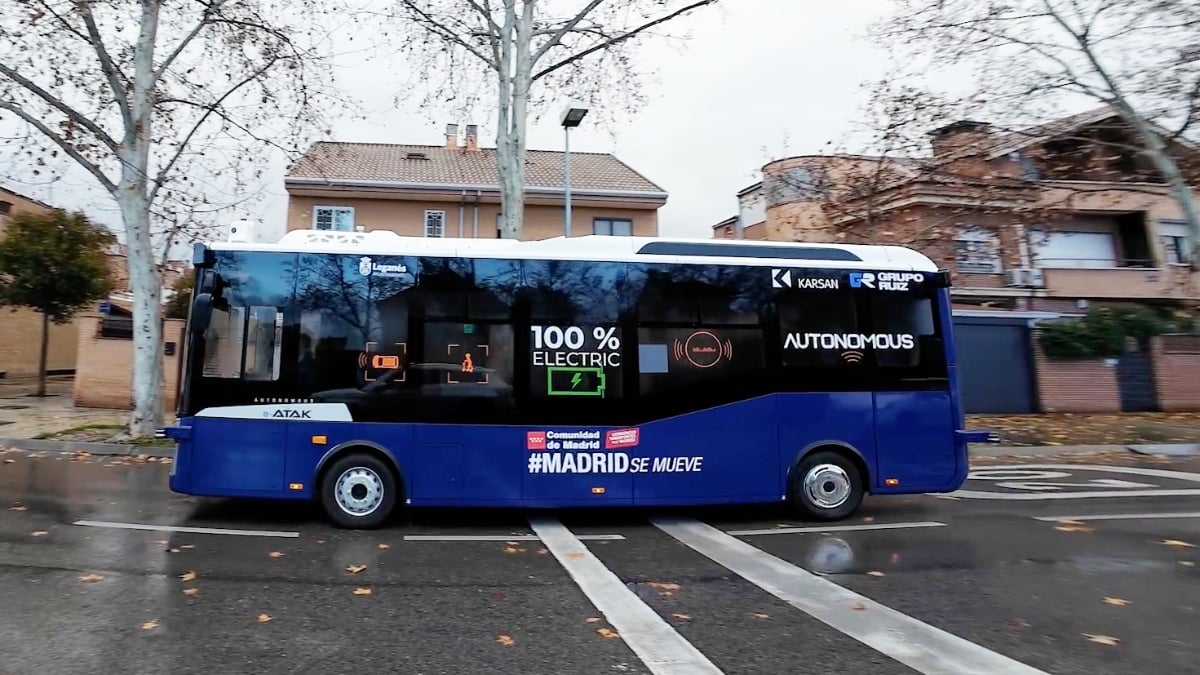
[(759, 79)]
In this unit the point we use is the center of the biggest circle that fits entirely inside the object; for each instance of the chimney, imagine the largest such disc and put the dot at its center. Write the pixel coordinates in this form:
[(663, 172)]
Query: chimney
[(472, 137), (959, 135), (451, 136)]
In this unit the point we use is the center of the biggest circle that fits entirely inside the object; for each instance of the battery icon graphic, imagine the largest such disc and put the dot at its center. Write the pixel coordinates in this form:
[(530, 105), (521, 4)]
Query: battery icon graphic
[(575, 381)]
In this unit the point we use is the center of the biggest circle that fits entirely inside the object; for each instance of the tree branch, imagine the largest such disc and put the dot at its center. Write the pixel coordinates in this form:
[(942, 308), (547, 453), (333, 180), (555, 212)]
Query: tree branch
[(72, 114), (618, 39), (433, 25), (209, 11), (120, 93), (61, 142), (567, 27)]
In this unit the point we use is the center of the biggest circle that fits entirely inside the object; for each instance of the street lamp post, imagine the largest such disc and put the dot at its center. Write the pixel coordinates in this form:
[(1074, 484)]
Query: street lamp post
[(571, 118)]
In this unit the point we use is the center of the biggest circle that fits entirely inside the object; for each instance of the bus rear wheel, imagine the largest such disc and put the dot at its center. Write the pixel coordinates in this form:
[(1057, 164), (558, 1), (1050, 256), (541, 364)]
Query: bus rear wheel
[(826, 486), (359, 491)]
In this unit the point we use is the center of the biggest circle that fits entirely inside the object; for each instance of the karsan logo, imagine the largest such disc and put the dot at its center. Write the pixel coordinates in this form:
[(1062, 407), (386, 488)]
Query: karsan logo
[(885, 281), (366, 267), (784, 278)]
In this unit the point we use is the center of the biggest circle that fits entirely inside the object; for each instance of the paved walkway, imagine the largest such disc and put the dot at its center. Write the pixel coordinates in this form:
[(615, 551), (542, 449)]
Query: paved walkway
[(25, 416)]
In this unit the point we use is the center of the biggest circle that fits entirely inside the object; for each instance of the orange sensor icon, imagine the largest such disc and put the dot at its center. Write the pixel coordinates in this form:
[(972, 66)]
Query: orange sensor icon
[(385, 362)]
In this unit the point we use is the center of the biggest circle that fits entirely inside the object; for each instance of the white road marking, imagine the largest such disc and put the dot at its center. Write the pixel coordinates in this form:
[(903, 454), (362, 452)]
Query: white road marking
[(917, 645), (1121, 516), (656, 643), (496, 537), (1021, 472), (834, 528), (190, 530)]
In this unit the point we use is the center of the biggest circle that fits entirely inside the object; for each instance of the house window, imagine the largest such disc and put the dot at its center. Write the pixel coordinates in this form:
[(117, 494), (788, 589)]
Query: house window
[(435, 223), (621, 227), (1177, 241), (5, 208), (977, 251), (339, 218), (1074, 249)]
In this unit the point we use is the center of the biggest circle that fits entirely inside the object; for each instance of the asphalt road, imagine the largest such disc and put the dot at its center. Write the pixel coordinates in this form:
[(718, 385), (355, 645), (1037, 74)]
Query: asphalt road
[(990, 580)]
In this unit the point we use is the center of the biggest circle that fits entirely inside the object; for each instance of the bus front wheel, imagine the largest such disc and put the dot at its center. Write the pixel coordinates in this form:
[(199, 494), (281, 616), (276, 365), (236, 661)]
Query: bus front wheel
[(826, 486), (359, 491)]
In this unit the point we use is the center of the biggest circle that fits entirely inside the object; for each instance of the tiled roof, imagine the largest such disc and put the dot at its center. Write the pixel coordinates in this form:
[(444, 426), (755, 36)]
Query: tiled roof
[(450, 166)]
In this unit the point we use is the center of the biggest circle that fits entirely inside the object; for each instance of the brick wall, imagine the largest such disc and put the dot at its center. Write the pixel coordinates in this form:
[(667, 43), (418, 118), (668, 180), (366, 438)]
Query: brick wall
[(1177, 371), (104, 374), (20, 343), (1083, 385)]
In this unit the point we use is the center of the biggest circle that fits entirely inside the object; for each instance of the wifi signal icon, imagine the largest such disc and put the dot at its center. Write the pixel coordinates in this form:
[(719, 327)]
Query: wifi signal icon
[(362, 359), (677, 350), (727, 349), (852, 356)]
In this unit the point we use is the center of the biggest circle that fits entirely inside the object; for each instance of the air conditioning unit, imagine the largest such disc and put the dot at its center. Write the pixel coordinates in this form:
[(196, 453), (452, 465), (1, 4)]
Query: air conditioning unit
[(1026, 277)]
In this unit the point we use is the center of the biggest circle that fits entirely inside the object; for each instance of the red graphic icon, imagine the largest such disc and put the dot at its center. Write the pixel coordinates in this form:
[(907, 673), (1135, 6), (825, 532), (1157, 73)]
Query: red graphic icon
[(370, 359), (702, 349), (468, 363), (535, 440)]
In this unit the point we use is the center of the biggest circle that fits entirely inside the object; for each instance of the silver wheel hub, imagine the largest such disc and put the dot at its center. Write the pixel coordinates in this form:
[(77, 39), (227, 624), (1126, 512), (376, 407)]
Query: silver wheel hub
[(358, 491), (827, 486)]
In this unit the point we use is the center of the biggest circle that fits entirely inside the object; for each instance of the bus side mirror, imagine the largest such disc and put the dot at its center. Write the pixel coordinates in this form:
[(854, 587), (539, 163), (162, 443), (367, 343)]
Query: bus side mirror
[(201, 312)]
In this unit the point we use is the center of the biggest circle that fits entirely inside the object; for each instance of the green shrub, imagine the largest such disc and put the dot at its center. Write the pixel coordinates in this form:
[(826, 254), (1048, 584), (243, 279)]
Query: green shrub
[(1102, 332)]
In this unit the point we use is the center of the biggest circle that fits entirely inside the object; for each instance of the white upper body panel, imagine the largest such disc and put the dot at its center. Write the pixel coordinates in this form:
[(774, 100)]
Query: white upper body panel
[(591, 247)]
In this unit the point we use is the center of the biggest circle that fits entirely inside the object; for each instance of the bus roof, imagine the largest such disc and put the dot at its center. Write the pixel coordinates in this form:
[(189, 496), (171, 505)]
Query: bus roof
[(603, 248)]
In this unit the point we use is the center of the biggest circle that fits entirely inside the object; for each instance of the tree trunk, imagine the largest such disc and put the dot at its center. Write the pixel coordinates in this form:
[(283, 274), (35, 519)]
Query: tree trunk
[(147, 325), (41, 388), (515, 75)]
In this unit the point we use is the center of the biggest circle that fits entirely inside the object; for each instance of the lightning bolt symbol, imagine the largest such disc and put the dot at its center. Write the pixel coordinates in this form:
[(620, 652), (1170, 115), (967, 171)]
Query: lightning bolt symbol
[(575, 379)]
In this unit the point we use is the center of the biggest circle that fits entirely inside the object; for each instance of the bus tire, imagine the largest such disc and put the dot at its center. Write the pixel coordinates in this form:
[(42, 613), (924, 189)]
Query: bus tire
[(826, 485), (359, 491)]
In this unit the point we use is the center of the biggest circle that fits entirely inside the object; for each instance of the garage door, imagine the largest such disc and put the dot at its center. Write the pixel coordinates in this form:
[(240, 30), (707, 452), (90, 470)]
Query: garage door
[(995, 366)]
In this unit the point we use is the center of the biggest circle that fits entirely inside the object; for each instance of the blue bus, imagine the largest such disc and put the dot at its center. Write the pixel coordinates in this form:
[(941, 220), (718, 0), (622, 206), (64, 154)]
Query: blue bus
[(371, 371)]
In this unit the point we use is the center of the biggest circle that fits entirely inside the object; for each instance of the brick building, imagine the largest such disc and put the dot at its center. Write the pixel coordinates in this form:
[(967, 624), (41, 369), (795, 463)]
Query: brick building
[(1033, 224), (453, 190)]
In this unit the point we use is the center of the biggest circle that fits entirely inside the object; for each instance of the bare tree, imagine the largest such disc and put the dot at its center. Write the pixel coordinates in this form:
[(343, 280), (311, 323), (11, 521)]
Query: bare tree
[(158, 103), (1137, 56), (575, 48)]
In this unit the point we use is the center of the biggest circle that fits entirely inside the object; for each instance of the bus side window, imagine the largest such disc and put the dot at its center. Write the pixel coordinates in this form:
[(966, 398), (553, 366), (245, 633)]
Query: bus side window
[(263, 344), (223, 343)]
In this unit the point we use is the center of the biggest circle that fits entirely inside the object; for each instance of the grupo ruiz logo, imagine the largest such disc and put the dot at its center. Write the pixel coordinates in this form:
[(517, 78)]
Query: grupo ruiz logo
[(367, 267), (885, 281)]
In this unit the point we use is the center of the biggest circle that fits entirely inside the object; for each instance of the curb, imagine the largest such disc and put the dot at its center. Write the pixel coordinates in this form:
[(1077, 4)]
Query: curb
[(1042, 450), (1173, 449), (38, 445)]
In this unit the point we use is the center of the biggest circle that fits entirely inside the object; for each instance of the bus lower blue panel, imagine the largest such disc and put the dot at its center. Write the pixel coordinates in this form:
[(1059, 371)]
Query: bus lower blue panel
[(804, 421), (730, 451), (914, 446), (237, 456)]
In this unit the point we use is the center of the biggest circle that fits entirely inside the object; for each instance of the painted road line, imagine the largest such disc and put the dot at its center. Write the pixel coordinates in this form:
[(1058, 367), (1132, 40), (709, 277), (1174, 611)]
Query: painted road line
[(834, 528), (1121, 516), (1183, 476), (656, 643), (190, 530), (497, 537), (911, 642)]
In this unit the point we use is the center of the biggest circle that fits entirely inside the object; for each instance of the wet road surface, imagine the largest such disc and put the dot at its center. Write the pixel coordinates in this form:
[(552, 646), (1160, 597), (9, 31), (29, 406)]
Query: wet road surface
[(1095, 581)]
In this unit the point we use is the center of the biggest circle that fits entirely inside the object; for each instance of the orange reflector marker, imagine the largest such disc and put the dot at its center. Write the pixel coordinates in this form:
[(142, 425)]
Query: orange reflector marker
[(320, 440), (295, 486), (891, 482), (597, 490)]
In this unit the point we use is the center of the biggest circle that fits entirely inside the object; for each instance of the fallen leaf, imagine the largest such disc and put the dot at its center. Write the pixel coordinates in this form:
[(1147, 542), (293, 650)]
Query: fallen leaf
[(511, 550), (1075, 528), (498, 596), (505, 640), (276, 554), (680, 617), (188, 546), (9, 461), (858, 606), (162, 542), (662, 586), (18, 507), (869, 519), (38, 533), (511, 543), (760, 615), (188, 576), (191, 591), (173, 550), (384, 546), (263, 618), (875, 573), (1169, 542), (1187, 563), (592, 619), (1101, 639), (150, 625), (320, 541), (361, 591), (355, 569), (91, 577), (575, 555), (1119, 602), (608, 633), (542, 551), (1018, 624)]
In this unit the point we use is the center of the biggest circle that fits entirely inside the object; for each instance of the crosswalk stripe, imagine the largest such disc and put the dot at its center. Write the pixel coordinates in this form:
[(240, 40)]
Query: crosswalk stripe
[(656, 643), (916, 644)]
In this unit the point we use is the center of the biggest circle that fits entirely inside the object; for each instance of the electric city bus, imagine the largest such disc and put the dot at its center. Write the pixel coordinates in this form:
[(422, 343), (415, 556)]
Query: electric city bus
[(371, 371)]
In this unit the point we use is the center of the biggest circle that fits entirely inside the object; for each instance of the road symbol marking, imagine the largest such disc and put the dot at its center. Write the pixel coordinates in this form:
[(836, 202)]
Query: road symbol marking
[(833, 528), (656, 642), (915, 644), (1093, 483), (190, 530), (1042, 472)]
